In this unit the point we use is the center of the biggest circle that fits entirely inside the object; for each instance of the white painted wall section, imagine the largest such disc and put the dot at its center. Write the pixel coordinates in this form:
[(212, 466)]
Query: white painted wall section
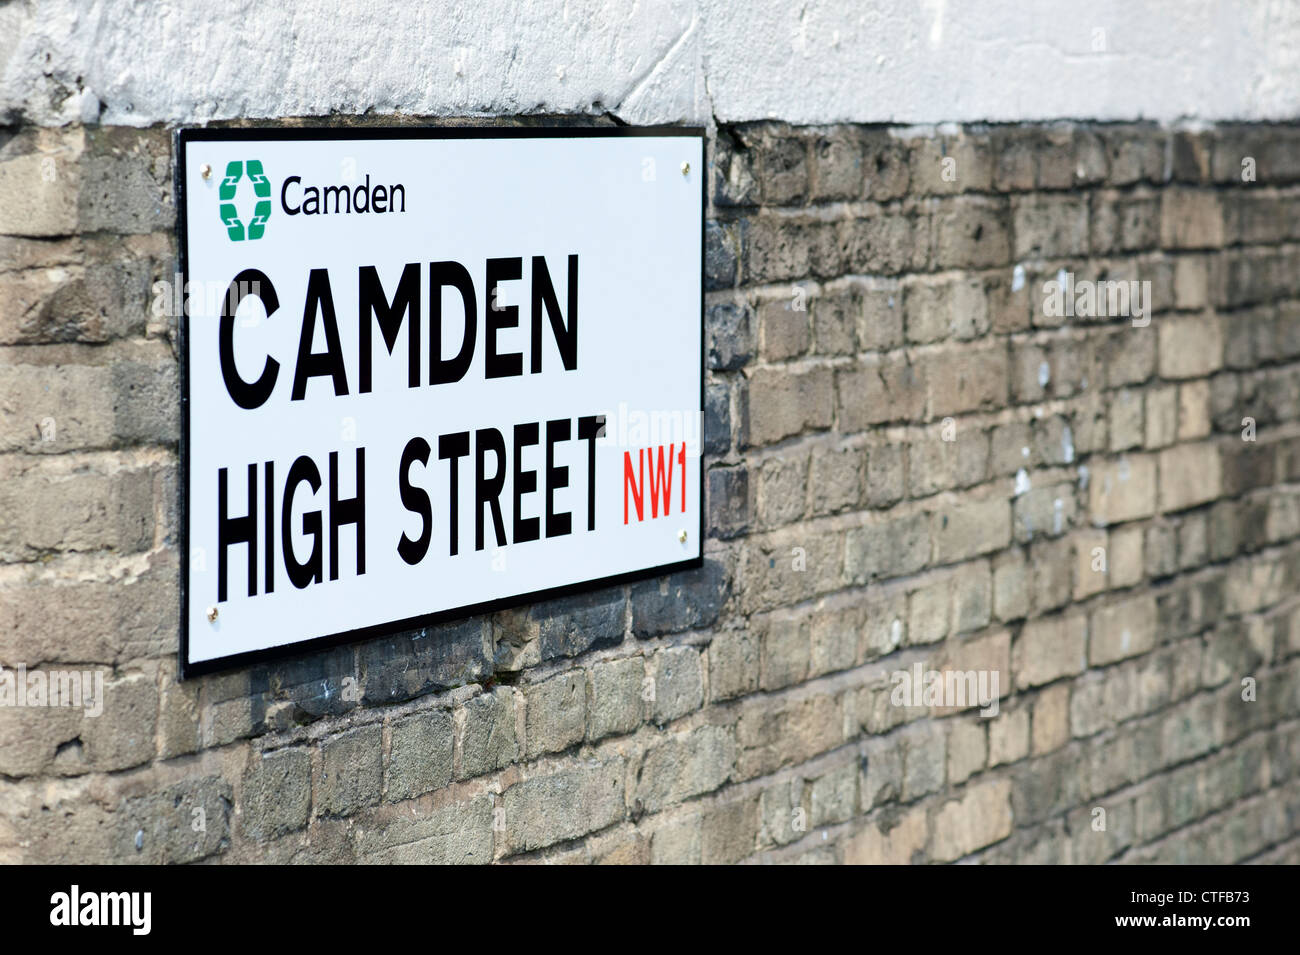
[(139, 62)]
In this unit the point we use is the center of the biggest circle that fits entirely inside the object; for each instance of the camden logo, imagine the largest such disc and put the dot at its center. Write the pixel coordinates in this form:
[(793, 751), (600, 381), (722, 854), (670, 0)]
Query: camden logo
[(230, 217)]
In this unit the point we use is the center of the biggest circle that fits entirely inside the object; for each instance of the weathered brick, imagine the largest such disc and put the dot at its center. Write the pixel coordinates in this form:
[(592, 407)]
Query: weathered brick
[(966, 377), (770, 736), (880, 316), (1011, 585), (730, 336), (1135, 154), (159, 828), (351, 771), (944, 307), (1190, 219), (885, 475), (276, 794), (1050, 647), (790, 566), (891, 549), (1122, 489), (881, 243), (1161, 428), (1190, 346), (1123, 222), (925, 755), (1009, 736), (886, 161), (783, 489), (81, 503), (967, 750), (1051, 718), (943, 165), (836, 318), (835, 480), (1189, 475), (783, 170), (542, 810), (420, 755), (412, 664), (970, 529), (972, 233), (733, 180), (488, 739), (835, 638), (728, 501), (685, 765), (734, 660), (980, 818), (1047, 226), (717, 418), (92, 607), (1122, 630), (786, 652), (837, 166), (555, 713), (678, 676), (40, 181), (877, 389), (784, 402), (776, 249), (719, 257), (899, 844), (784, 327), (565, 627), (972, 596), (729, 832), (681, 601), (446, 833), (614, 698)]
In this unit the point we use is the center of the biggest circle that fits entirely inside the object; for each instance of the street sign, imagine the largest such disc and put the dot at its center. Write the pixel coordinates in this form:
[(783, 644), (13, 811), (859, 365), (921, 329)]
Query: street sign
[(432, 372)]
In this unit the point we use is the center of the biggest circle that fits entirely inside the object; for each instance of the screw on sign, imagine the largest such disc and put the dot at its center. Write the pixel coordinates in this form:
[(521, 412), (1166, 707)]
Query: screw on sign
[(229, 211)]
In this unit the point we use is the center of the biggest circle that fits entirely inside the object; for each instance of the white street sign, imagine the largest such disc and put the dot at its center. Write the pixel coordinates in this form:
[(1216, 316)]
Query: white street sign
[(433, 372)]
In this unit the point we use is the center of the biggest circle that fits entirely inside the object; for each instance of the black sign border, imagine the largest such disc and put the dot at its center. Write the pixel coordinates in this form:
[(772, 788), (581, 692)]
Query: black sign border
[(186, 135)]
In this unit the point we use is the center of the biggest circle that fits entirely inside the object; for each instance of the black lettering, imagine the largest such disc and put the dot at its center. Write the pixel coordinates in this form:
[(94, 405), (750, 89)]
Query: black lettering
[(269, 526), (589, 429), (453, 447), (246, 395), (488, 490), (236, 530), (497, 317), (284, 191), (557, 525), (337, 191), (319, 364), (303, 470), (362, 191), (350, 511), (453, 274), (566, 338), (415, 500), (525, 528), (373, 303)]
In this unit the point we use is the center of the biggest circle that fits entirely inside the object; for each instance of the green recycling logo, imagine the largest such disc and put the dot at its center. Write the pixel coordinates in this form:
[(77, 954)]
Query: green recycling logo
[(230, 213)]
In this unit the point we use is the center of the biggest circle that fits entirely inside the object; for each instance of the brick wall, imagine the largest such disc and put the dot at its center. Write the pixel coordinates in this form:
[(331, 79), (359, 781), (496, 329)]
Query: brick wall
[(910, 461)]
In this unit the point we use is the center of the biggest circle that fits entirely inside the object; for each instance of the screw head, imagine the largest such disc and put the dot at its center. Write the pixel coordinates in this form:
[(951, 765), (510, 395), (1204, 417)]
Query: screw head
[(686, 168), (205, 171), (212, 615), (681, 535)]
